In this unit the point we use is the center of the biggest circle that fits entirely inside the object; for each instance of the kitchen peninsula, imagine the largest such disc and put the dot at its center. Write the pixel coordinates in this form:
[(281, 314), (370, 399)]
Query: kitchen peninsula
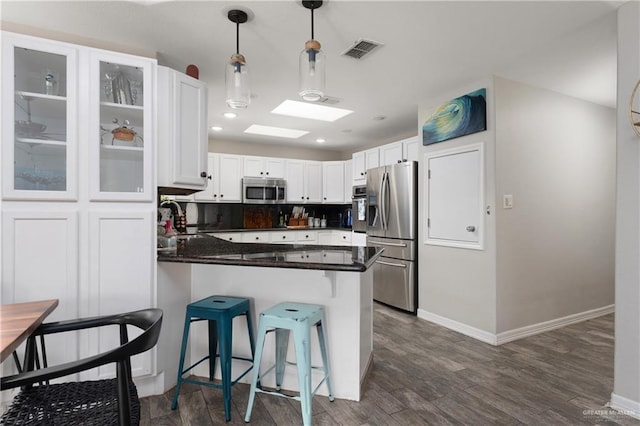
[(337, 277)]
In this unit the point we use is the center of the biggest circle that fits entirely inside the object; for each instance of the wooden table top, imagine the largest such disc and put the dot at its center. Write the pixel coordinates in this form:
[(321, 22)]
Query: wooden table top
[(19, 320)]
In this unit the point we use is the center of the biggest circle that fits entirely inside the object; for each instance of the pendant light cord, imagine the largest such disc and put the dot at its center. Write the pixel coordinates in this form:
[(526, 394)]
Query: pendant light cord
[(237, 38), (312, 24)]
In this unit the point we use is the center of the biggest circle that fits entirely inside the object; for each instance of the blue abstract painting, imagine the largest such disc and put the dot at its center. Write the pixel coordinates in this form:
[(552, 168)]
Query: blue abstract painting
[(458, 117)]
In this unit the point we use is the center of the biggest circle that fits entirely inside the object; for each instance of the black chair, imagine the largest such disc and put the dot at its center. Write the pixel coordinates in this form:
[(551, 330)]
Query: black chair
[(100, 402)]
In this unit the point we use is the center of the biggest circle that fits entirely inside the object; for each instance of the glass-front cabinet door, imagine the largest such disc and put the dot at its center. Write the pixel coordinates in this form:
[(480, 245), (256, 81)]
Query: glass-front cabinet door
[(39, 125), (121, 134)]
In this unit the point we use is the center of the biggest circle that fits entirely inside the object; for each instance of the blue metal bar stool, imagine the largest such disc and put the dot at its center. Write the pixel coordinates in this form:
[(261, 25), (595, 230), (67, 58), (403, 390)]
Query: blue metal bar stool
[(219, 311), (299, 318)]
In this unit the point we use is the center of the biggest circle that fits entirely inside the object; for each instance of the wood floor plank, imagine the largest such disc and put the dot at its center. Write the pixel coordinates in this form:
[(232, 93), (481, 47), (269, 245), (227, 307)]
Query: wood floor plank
[(425, 374)]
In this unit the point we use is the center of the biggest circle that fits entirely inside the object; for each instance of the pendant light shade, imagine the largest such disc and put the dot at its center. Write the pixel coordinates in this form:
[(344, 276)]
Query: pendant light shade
[(237, 72), (312, 63)]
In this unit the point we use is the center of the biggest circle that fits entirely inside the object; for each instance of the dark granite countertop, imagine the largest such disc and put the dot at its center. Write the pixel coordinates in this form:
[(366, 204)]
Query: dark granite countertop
[(202, 248), (295, 228)]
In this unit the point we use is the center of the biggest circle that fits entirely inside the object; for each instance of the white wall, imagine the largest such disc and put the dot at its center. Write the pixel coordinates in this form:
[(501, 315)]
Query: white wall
[(460, 284), (555, 249), (626, 389), (269, 150)]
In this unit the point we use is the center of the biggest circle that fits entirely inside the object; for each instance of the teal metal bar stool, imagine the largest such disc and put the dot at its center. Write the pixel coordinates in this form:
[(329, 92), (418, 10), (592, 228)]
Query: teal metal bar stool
[(299, 318), (219, 311)]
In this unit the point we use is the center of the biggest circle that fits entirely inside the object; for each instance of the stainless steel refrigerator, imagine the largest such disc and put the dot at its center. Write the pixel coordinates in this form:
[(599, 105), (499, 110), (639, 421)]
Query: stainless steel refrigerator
[(392, 223)]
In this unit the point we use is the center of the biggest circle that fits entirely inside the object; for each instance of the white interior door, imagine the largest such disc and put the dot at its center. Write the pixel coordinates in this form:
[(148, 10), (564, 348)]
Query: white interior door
[(455, 198)]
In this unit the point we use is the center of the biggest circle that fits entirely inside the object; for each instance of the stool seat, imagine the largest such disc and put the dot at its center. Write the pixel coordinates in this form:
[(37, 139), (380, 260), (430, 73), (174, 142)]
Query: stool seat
[(281, 319), (219, 311)]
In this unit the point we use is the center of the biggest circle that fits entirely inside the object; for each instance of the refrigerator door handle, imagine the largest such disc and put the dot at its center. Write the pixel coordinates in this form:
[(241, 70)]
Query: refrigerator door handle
[(397, 265), (386, 244), (380, 206), (387, 201)]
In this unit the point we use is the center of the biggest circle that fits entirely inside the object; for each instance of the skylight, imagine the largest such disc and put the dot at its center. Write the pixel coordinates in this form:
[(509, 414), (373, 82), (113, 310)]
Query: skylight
[(309, 110), (279, 132)]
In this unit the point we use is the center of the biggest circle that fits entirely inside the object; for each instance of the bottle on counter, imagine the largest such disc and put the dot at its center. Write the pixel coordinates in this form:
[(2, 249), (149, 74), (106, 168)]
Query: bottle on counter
[(168, 240), (281, 220)]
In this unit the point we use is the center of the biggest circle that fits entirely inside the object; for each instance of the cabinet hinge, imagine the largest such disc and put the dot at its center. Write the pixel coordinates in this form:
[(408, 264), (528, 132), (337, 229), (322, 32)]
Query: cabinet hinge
[(428, 222), (429, 174)]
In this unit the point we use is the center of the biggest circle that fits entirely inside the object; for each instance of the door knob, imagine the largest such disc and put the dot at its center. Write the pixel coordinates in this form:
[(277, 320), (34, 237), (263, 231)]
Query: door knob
[(471, 228)]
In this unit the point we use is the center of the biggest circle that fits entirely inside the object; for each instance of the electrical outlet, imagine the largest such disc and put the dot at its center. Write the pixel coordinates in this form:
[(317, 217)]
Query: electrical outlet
[(507, 201)]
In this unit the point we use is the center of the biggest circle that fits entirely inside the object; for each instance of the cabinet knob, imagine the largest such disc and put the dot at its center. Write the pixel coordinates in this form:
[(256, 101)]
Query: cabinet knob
[(400, 161), (203, 174), (221, 195), (471, 228), (307, 198), (302, 198), (284, 237), (209, 177), (230, 238), (267, 173), (261, 173), (257, 238), (215, 195), (344, 237), (361, 173)]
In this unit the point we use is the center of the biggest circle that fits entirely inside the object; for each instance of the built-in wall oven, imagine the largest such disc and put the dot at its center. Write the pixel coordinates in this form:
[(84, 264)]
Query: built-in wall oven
[(359, 208), (264, 191)]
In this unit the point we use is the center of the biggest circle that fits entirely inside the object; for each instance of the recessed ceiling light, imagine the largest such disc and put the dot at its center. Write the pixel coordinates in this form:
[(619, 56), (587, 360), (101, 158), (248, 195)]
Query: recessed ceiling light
[(230, 114), (280, 132), (309, 110), (216, 128), (320, 140), (379, 117)]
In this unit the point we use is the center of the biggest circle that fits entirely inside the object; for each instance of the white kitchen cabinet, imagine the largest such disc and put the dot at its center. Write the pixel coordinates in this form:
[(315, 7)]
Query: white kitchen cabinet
[(182, 130), (119, 284), (391, 153), (358, 167), (304, 181), (266, 167), (372, 158), (358, 239), (362, 161), (348, 181), (306, 236), (255, 237), (96, 251), (334, 238), (225, 179), (411, 149), (39, 119), (121, 127), (282, 237), (333, 182), (41, 261)]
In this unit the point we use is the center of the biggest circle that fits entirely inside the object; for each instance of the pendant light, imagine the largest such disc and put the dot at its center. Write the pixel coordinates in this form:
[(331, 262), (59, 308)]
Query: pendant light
[(312, 64), (237, 74)]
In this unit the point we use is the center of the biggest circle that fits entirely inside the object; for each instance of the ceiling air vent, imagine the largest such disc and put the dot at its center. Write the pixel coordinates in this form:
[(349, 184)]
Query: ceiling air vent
[(361, 48)]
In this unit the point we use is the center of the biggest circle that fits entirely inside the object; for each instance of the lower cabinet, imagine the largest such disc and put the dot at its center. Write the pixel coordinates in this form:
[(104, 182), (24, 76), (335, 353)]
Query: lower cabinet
[(95, 262), (121, 271), (39, 262)]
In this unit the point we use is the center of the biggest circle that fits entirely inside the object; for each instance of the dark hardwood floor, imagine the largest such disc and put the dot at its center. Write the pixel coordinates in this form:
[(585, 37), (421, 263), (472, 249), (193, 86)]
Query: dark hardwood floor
[(425, 374)]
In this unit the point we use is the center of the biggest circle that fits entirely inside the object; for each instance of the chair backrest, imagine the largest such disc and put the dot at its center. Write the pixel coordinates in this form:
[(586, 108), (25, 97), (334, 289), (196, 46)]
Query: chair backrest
[(148, 320)]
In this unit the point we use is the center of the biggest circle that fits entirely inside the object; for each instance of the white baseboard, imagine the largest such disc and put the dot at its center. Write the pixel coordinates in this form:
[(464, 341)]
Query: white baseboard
[(542, 327), (150, 385), (467, 330), (516, 333), (625, 406)]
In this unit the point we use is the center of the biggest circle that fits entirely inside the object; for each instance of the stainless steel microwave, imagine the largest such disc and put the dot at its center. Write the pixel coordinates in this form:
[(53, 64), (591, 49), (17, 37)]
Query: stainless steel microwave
[(264, 191)]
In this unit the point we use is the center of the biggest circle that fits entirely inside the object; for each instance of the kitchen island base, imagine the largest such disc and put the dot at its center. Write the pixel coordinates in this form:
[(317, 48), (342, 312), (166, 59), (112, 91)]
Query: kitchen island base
[(345, 295)]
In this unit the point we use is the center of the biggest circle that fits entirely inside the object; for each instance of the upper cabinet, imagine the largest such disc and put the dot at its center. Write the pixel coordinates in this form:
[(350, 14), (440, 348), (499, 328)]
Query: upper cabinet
[(304, 181), (182, 131), (266, 167), (57, 94), (399, 152), (39, 119), (333, 182), (363, 161), (121, 126), (225, 179)]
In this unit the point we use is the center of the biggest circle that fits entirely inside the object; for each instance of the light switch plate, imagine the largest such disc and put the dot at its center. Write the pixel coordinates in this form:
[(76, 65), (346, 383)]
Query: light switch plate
[(507, 201)]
